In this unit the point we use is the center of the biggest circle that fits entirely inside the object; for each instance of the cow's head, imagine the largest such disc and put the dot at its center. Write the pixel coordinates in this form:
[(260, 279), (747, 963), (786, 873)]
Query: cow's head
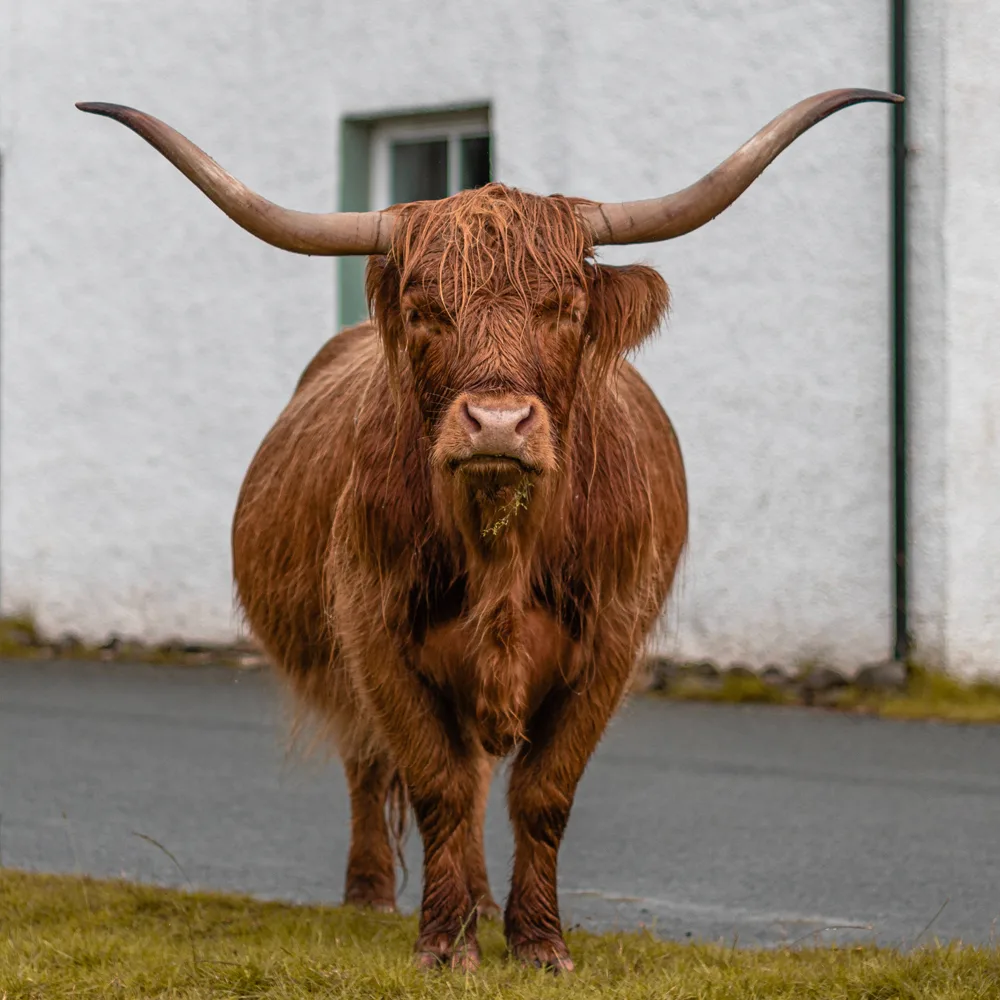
[(491, 306)]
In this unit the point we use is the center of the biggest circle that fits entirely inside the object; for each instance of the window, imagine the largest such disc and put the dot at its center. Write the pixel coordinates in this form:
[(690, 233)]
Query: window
[(428, 156), (399, 158)]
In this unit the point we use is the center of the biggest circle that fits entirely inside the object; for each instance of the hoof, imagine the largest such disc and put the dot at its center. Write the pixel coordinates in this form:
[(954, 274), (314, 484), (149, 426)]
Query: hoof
[(445, 954), (427, 960), (553, 956), (372, 905)]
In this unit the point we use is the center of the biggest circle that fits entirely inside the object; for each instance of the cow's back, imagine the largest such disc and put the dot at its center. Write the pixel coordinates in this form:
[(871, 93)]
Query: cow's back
[(281, 528)]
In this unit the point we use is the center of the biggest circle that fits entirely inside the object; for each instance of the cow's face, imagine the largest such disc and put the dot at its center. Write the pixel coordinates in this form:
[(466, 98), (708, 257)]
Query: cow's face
[(492, 302)]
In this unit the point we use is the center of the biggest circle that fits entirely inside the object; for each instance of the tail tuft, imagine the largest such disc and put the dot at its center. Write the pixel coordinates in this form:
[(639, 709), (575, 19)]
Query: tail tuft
[(398, 818)]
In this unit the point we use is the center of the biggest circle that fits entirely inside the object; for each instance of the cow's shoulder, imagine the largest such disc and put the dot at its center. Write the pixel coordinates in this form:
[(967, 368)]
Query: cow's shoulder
[(345, 346)]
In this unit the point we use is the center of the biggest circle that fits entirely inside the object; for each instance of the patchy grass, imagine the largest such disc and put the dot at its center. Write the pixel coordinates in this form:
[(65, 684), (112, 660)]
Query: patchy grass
[(63, 936), (21, 639), (739, 690), (928, 695), (17, 633)]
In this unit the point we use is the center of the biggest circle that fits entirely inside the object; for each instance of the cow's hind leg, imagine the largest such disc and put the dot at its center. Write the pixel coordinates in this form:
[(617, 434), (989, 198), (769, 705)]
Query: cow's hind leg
[(371, 863), (475, 854)]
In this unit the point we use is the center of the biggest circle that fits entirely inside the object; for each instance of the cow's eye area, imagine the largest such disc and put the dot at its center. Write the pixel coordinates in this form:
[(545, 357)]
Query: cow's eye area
[(565, 308), (418, 313)]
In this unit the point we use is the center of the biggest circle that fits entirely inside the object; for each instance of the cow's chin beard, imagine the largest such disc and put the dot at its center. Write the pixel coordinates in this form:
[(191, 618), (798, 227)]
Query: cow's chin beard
[(495, 502)]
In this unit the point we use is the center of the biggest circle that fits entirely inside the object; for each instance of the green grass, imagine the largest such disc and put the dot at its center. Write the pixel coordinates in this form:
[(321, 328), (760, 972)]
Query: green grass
[(731, 690), (21, 639), (17, 633), (929, 695), (63, 936)]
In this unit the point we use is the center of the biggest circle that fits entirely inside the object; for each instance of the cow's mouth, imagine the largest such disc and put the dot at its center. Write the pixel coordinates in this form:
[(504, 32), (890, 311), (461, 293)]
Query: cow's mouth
[(493, 467)]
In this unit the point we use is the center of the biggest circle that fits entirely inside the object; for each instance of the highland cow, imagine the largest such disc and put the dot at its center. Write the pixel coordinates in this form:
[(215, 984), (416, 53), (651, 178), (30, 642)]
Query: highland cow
[(466, 521)]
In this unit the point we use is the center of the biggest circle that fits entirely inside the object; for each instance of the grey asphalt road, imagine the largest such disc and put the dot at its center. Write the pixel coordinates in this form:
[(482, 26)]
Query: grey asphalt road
[(700, 821)]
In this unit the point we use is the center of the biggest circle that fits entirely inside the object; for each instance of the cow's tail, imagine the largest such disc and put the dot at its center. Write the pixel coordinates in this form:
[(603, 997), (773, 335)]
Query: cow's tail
[(398, 817)]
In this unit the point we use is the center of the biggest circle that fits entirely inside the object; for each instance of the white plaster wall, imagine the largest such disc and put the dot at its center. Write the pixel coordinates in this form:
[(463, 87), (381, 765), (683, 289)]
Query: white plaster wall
[(955, 355), (972, 255), (148, 346), (774, 364), (147, 343)]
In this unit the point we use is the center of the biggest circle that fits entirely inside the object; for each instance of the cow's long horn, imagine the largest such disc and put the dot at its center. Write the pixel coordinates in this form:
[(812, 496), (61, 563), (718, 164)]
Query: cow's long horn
[(684, 211), (334, 234)]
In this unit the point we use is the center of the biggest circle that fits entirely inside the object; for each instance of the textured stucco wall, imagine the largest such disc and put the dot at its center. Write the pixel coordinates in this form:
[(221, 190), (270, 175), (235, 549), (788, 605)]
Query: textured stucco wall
[(972, 261), (955, 355), (148, 343)]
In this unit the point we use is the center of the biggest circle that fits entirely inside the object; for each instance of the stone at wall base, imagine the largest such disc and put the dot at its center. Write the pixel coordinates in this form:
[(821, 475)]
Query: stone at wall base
[(890, 675), (819, 685)]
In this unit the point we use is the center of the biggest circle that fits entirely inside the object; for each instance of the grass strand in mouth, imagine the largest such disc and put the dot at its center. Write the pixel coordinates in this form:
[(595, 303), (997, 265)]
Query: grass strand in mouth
[(506, 514)]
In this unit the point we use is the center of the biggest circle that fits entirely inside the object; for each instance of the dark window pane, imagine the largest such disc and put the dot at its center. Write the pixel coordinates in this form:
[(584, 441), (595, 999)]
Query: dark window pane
[(474, 157), (419, 170)]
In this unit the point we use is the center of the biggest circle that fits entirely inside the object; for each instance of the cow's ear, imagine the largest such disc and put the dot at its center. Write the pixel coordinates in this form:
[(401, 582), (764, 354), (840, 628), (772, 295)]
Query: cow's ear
[(382, 288), (626, 306)]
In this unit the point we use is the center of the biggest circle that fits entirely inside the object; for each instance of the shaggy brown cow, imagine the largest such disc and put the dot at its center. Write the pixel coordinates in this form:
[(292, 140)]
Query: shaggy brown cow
[(467, 519)]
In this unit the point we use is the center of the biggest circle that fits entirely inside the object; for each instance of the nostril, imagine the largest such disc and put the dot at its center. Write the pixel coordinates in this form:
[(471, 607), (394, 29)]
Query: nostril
[(526, 421), (471, 423)]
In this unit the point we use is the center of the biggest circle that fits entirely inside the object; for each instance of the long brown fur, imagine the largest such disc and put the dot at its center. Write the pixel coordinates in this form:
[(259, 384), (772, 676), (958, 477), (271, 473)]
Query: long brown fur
[(433, 622)]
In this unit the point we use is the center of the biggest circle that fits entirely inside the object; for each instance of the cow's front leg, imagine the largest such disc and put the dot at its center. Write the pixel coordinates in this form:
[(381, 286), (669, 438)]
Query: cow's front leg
[(443, 800), (440, 764), (561, 738)]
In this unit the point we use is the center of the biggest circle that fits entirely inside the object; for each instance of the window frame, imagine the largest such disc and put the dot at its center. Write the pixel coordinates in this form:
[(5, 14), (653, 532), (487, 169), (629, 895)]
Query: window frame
[(365, 136), (426, 127)]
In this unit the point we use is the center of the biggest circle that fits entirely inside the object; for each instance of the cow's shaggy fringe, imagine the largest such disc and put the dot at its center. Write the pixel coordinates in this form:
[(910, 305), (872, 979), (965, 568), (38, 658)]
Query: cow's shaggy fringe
[(488, 238)]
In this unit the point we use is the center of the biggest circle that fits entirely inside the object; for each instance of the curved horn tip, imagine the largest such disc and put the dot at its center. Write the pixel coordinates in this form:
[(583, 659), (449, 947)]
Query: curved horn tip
[(844, 98), (101, 108), (881, 95), (655, 219)]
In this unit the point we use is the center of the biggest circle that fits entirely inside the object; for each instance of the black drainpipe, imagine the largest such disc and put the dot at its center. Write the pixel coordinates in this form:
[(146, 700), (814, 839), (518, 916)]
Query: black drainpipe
[(901, 643)]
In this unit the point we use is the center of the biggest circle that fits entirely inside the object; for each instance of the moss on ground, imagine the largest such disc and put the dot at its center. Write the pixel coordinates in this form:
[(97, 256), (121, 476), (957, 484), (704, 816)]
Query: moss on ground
[(730, 689), (21, 639), (62, 936), (17, 633), (926, 695), (929, 695)]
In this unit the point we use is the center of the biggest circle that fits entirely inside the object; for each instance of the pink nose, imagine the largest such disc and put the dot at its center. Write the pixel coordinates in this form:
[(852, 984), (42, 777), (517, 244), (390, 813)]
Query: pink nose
[(499, 431)]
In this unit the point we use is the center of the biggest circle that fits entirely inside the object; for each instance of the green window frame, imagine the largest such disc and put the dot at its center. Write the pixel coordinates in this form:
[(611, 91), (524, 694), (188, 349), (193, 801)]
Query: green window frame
[(372, 145)]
